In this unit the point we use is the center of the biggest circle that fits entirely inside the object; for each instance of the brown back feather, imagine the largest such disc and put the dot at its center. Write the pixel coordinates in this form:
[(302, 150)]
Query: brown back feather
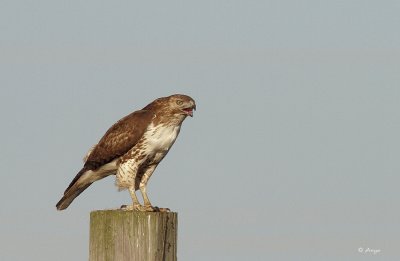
[(117, 141)]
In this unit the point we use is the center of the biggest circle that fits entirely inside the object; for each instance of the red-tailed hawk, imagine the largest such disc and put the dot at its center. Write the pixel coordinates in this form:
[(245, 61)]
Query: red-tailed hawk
[(132, 148)]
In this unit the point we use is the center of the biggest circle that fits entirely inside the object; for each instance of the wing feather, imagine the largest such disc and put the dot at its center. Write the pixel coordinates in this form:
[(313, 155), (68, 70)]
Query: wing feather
[(117, 141)]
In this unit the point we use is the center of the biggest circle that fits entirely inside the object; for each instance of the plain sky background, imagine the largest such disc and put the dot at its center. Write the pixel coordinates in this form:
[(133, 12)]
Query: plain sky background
[(293, 152)]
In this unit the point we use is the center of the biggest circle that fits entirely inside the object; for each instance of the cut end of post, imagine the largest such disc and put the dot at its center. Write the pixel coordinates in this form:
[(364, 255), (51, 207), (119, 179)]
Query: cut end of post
[(133, 235)]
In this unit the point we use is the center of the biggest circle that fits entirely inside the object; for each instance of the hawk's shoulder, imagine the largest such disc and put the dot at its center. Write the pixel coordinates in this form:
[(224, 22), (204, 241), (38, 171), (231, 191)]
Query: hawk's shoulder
[(120, 138)]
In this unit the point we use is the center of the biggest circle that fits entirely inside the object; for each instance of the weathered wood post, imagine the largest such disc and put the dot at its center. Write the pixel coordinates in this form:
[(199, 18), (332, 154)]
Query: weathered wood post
[(119, 235)]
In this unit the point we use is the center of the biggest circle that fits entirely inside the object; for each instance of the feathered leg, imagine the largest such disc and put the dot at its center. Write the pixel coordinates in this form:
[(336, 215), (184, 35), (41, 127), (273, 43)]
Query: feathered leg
[(143, 189)]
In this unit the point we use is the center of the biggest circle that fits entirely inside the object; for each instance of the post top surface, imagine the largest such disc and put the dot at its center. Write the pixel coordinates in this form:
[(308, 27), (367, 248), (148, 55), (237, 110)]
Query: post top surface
[(121, 211)]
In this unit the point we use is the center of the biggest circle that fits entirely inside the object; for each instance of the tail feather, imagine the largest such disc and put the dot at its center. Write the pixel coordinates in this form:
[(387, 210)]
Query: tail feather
[(70, 195), (77, 177), (74, 189), (83, 180)]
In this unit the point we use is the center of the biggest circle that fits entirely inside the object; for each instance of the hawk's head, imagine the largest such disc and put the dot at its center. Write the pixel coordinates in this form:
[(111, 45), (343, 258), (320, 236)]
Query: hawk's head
[(181, 104), (176, 106)]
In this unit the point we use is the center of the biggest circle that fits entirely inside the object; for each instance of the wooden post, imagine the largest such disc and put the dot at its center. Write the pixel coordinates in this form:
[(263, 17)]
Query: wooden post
[(119, 235)]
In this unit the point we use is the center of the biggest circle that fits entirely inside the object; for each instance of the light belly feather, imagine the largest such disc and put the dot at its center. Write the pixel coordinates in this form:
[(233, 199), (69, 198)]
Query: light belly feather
[(161, 138)]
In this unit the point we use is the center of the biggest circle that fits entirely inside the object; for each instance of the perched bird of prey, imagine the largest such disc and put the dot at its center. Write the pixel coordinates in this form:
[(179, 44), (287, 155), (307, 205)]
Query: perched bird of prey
[(132, 148)]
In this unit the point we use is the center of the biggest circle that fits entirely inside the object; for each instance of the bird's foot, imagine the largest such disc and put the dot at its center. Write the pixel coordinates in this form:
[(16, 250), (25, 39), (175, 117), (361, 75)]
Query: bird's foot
[(145, 208), (149, 208), (137, 207)]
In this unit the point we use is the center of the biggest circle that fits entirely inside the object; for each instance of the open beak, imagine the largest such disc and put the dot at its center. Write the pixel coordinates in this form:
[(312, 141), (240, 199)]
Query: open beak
[(189, 111)]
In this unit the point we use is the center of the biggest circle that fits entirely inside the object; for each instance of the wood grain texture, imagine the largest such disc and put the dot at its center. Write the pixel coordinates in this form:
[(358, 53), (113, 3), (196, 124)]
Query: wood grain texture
[(131, 235)]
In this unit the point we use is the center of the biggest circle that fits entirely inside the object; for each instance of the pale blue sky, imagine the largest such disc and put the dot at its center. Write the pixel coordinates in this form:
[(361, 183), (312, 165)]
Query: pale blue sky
[(292, 153)]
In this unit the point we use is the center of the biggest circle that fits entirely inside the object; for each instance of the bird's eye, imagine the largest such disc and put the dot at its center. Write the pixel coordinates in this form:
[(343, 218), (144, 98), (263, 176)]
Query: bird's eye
[(179, 102)]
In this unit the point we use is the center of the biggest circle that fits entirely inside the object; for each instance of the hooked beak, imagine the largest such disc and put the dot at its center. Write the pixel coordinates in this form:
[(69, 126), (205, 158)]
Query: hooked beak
[(189, 111)]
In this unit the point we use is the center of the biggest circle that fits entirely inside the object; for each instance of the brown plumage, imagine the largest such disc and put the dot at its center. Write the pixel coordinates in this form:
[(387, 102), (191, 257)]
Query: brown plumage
[(132, 148)]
